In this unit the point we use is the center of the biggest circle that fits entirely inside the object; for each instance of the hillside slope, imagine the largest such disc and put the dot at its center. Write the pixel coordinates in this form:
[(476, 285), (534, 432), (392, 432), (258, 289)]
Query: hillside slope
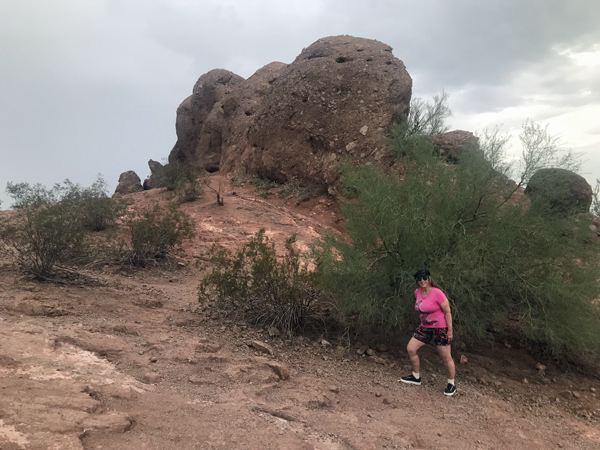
[(126, 360)]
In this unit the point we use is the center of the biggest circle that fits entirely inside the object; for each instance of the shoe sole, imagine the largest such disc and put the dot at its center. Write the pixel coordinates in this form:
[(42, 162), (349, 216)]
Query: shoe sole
[(411, 382), (450, 394)]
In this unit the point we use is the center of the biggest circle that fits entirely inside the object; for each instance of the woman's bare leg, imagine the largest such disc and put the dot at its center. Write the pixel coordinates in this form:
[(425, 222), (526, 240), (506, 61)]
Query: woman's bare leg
[(413, 346), (445, 353)]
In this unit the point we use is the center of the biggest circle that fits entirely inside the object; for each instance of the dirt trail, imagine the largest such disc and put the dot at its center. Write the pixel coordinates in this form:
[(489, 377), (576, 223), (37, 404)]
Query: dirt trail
[(127, 363)]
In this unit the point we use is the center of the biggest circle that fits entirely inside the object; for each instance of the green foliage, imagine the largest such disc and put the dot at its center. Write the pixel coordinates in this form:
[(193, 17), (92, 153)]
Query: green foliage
[(49, 225), (266, 291), (181, 179), (98, 210), (294, 189), (44, 231), (156, 232), (506, 267)]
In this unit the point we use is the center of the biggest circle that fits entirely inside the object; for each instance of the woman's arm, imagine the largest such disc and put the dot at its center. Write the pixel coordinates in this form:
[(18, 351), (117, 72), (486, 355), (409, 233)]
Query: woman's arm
[(446, 310)]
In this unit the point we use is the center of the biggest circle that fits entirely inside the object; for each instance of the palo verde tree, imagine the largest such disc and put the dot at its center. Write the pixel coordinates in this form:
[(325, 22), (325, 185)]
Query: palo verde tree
[(506, 266)]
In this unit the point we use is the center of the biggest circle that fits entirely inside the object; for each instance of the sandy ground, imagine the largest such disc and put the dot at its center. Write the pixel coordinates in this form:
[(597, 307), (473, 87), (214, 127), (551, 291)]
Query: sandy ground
[(129, 361)]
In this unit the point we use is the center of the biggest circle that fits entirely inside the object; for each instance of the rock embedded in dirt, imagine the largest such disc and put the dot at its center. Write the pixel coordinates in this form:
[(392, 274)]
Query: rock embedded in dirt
[(362, 349), (463, 359), (369, 352), (376, 359), (263, 347), (129, 182), (281, 370), (382, 348), (151, 378)]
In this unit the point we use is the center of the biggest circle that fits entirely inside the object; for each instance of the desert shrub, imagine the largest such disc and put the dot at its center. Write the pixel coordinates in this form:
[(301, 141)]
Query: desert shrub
[(507, 267), (44, 231), (262, 186), (156, 232), (181, 179), (293, 188), (266, 291), (98, 210)]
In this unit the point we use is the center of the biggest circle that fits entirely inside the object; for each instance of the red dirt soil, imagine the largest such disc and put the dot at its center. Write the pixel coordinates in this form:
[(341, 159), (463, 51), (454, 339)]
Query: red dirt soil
[(129, 361)]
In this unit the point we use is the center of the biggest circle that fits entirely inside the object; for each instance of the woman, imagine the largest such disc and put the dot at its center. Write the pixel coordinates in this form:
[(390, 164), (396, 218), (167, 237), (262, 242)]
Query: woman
[(436, 325)]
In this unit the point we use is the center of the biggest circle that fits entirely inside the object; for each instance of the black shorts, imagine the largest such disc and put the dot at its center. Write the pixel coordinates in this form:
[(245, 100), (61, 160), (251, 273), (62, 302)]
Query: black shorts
[(439, 335)]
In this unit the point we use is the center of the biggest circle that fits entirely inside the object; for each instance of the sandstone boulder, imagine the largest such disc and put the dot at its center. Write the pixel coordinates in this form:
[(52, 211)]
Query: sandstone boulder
[(129, 182), (337, 98), (295, 121), (453, 144), (561, 190), (192, 114), (157, 171)]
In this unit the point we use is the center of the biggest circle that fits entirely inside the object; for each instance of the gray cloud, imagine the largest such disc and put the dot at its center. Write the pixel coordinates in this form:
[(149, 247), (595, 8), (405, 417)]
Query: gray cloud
[(93, 86)]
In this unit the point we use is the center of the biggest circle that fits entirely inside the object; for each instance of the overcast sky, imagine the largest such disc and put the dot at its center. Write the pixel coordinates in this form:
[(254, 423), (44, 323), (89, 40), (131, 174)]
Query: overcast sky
[(91, 86)]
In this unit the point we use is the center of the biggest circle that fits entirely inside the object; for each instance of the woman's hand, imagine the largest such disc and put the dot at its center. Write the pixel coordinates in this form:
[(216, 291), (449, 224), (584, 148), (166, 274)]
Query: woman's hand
[(450, 336)]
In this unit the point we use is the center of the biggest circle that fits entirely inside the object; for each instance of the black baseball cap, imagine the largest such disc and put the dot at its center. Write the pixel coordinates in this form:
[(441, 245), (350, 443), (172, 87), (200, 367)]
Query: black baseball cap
[(422, 273)]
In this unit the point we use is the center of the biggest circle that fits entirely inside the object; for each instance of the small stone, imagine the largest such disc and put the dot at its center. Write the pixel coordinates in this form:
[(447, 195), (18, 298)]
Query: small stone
[(376, 359), (507, 345), (378, 394), (351, 146), (525, 381), (262, 347), (386, 401), (362, 349), (576, 394), (236, 330), (463, 359), (382, 348), (281, 370), (567, 394), (334, 389), (369, 352), (364, 130), (325, 343), (497, 383), (539, 366), (324, 358), (153, 360), (593, 389), (151, 378)]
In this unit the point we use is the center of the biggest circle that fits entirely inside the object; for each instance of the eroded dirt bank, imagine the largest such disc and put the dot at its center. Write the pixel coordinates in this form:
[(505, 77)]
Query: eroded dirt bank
[(127, 363)]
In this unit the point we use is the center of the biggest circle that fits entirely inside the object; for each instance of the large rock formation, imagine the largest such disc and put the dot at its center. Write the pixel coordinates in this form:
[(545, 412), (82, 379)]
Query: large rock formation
[(295, 121), (157, 173), (561, 190), (129, 182)]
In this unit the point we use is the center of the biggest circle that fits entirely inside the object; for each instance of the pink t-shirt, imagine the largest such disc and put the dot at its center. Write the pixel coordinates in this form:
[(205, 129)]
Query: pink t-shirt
[(429, 308)]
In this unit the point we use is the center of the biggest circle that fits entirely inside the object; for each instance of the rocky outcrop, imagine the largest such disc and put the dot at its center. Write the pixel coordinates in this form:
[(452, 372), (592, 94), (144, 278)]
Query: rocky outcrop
[(198, 139), (337, 98), (129, 182), (157, 172), (561, 190), (453, 144), (295, 121)]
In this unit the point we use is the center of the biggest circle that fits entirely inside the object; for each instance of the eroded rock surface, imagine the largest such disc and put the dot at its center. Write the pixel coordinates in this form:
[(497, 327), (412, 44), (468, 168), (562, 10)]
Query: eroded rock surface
[(562, 190), (129, 182), (295, 121)]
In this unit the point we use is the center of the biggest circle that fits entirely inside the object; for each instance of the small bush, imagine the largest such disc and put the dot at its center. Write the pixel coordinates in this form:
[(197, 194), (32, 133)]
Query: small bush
[(156, 232), (98, 210), (293, 188), (264, 290), (181, 179), (44, 231)]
